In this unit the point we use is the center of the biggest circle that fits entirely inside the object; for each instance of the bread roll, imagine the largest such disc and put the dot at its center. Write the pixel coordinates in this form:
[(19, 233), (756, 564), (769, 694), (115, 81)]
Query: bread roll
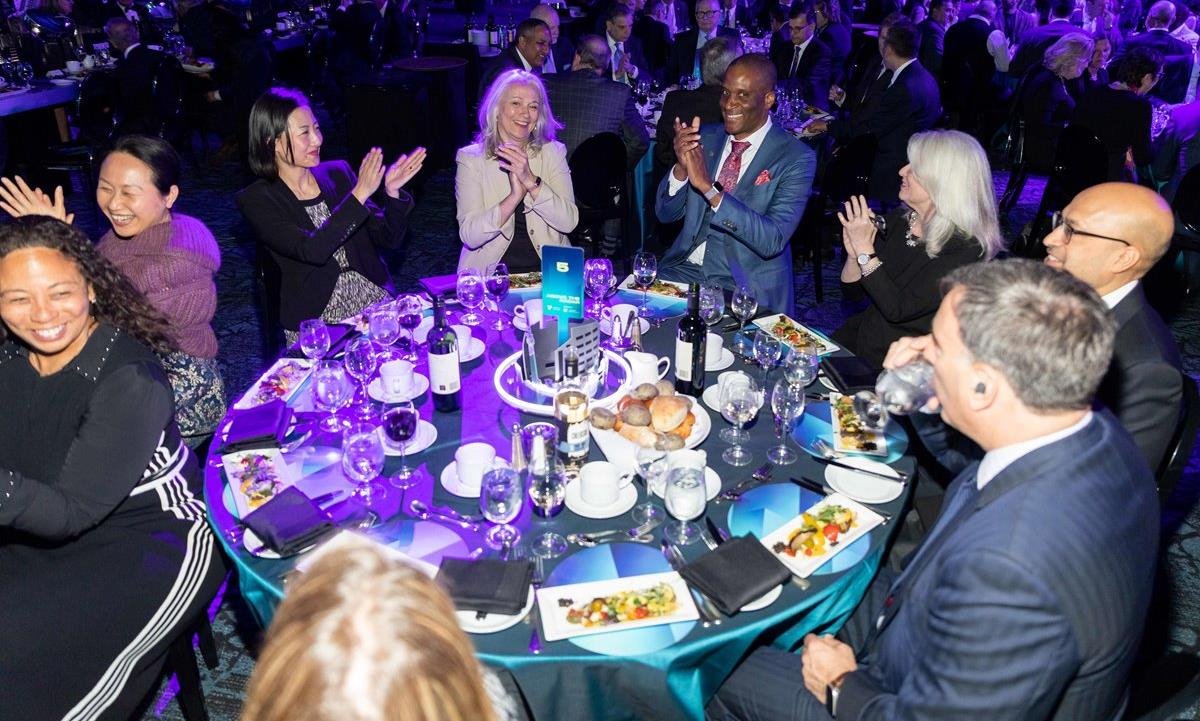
[(645, 392), (667, 412), (683, 430), (665, 387), (636, 415), (669, 442), (603, 418), (640, 435)]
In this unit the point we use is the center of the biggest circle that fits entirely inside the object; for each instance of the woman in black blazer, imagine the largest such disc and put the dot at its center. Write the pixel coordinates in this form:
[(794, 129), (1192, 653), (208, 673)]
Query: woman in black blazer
[(1045, 102), (317, 219)]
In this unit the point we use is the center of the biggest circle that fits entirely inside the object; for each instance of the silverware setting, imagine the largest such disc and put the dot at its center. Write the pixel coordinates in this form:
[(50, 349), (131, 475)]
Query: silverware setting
[(709, 615), (535, 639), (830, 457), (425, 513), (638, 534), (759, 477)]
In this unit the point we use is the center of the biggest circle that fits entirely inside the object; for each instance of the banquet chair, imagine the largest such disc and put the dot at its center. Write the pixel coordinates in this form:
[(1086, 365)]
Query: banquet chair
[(1180, 449), (601, 184), (268, 287), (1080, 161), (181, 662)]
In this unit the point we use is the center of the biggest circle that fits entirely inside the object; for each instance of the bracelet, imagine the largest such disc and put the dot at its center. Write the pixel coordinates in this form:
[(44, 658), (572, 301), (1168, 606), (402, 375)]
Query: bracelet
[(871, 266)]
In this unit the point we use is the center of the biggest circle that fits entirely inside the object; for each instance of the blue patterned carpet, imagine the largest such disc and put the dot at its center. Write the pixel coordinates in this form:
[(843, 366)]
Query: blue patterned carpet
[(432, 249)]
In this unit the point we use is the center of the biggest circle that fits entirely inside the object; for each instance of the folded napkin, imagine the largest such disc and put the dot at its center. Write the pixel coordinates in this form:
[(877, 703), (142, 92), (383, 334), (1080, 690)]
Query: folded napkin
[(258, 427), (487, 585), (288, 523), (850, 373), (738, 572), (438, 285)]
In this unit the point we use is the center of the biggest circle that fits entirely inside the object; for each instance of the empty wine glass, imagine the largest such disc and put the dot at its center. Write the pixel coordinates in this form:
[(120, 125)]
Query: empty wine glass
[(739, 405), (400, 422), (470, 291), (802, 363), (383, 326), (787, 403), (767, 350), (645, 270), (408, 309), (598, 280), (743, 305), (500, 497), (547, 485), (898, 391), (685, 500), (314, 338), (496, 285), (712, 304), (331, 389), (362, 461), (361, 362), (652, 466), (731, 434)]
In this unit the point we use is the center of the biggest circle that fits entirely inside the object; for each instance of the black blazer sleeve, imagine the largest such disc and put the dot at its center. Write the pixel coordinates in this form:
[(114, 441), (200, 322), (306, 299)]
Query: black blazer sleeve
[(921, 295)]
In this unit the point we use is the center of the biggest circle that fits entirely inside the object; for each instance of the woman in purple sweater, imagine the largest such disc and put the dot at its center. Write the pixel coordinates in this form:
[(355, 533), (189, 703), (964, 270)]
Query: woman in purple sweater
[(170, 257)]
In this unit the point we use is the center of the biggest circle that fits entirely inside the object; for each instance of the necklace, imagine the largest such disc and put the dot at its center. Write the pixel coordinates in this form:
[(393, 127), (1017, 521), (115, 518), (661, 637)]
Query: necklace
[(909, 239)]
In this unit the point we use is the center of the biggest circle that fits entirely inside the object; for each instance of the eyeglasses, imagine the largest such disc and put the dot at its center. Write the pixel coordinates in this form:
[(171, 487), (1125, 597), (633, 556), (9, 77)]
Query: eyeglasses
[(800, 29), (705, 13), (1059, 220)]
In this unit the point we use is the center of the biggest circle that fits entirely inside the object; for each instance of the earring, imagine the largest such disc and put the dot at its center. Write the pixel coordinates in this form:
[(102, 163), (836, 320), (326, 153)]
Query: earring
[(980, 388)]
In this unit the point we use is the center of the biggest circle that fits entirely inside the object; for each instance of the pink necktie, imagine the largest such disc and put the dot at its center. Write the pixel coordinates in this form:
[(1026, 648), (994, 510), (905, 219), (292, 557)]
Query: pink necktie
[(732, 167)]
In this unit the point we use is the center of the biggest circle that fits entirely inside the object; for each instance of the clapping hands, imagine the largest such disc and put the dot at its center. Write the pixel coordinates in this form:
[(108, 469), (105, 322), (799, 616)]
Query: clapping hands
[(689, 154), (515, 162), (858, 227), (18, 199), (402, 171), (370, 175)]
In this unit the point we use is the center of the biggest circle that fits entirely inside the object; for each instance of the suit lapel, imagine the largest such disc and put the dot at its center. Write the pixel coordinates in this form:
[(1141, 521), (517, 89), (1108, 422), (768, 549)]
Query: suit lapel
[(762, 157)]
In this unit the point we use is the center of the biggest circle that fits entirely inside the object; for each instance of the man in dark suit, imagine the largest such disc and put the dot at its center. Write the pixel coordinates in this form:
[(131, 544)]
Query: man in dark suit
[(685, 52), (740, 191), (975, 51), (1177, 54), (628, 61), (138, 14), (529, 52), (805, 63), (1034, 43), (834, 32), (587, 102), (902, 99), (942, 14), (653, 36), (142, 105), (985, 622), (704, 102), (562, 51)]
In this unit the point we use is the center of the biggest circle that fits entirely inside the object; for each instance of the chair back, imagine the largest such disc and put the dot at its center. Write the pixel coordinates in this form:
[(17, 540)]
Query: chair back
[(1080, 161), (166, 88), (598, 172), (849, 169), (1180, 448), (1187, 201)]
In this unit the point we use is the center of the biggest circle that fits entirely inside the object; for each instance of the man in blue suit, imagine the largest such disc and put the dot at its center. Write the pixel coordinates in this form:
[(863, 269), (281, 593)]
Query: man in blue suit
[(1027, 598), (740, 191)]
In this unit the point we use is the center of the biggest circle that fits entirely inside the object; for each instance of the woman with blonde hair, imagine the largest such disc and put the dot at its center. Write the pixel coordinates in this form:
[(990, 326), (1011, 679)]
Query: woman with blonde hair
[(1044, 102), (512, 186), (947, 219), (361, 636)]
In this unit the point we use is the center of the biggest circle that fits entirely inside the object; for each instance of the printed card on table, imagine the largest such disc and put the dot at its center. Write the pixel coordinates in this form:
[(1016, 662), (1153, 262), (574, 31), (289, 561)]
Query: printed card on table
[(562, 286)]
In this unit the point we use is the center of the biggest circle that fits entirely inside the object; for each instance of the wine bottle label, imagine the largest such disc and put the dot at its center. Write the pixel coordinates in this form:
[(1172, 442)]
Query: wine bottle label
[(577, 436), (683, 360), (444, 373)]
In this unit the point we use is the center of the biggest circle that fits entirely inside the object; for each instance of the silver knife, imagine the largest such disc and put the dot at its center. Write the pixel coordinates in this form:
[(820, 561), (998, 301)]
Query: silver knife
[(708, 613)]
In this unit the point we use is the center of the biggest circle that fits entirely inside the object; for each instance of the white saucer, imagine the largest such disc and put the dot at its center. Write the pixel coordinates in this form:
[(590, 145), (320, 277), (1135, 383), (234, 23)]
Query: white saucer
[(606, 327), (450, 482), (419, 386), (626, 499), (764, 600), (712, 484), (712, 397), (519, 323), (724, 361), (860, 486), (470, 622), (473, 350), (425, 437)]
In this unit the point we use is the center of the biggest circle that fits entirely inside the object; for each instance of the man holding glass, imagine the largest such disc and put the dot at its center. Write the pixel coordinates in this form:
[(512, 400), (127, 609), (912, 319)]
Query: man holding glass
[(1019, 604)]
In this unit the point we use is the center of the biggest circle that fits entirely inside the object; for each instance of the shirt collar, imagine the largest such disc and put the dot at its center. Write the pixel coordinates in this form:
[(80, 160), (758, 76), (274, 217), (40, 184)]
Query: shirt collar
[(899, 70), (804, 44), (1116, 296), (526, 63), (756, 138), (995, 461), (611, 43)]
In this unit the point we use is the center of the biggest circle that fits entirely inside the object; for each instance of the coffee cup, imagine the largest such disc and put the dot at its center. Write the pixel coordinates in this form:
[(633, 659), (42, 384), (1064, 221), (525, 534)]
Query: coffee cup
[(530, 311), (464, 339), (74, 66), (396, 377), (472, 461), (89, 62), (616, 317), (713, 345), (600, 483), (646, 367), (730, 376)]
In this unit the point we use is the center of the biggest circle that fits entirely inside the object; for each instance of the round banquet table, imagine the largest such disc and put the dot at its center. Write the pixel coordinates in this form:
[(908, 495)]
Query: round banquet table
[(668, 674)]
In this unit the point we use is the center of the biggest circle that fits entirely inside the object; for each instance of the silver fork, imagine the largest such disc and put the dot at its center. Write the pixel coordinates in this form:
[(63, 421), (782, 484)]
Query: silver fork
[(759, 477), (535, 639)]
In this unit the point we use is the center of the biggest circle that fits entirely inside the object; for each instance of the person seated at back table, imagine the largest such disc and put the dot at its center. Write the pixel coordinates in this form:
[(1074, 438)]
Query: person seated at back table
[(740, 190), (985, 622), (704, 102), (562, 50), (685, 56), (360, 636), (1178, 55), (1032, 45), (512, 186), (1119, 113), (316, 218), (1045, 103), (947, 219), (139, 106), (805, 63), (528, 52)]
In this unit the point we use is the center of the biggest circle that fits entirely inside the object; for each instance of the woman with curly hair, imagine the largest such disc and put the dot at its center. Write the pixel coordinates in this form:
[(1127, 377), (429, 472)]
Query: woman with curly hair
[(105, 554)]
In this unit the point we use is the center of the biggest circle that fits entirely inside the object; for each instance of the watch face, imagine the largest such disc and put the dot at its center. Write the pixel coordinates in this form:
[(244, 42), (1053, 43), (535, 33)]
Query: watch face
[(863, 258)]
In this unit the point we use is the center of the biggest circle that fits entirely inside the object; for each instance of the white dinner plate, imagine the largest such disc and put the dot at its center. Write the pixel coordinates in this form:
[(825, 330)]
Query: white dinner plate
[(764, 600), (470, 622), (626, 498), (860, 486), (425, 436), (419, 386)]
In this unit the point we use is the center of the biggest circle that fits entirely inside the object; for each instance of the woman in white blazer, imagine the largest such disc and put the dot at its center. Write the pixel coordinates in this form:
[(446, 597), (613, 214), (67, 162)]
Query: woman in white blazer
[(512, 186)]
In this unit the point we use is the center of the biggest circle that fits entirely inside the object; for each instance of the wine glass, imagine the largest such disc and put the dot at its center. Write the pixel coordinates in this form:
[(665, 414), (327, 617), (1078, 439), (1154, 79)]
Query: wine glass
[(500, 499), (383, 326), (739, 405), (686, 499), (898, 391), (496, 286), (547, 494), (408, 309), (652, 466), (331, 389), (731, 434), (470, 291), (767, 350), (787, 403), (743, 305), (598, 280), (400, 422), (801, 365), (645, 270), (314, 338), (712, 304), (362, 461), (361, 363)]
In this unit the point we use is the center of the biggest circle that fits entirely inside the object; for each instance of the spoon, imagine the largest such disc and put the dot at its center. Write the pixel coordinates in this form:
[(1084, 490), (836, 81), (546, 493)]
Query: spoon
[(421, 511)]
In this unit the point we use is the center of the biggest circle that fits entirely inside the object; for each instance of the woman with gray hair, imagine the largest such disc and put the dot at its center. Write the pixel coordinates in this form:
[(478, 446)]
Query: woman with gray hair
[(1044, 102), (512, 186), (947, 220)]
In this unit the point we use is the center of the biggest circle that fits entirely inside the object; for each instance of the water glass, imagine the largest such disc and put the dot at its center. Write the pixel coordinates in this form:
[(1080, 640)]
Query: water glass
[(496, 285), (767, 350), (383, 326), (801, 365), (500, 497), (331, 389), (743, 305), (787, 403), (652, 466), (645, 270), (408, 310), (900, 391), (740, 403), (314, 338), (732, 434), (400, 422), (686, 499), (361, 362), (362, 462), (712, 304), (470, 292), (598, 281)]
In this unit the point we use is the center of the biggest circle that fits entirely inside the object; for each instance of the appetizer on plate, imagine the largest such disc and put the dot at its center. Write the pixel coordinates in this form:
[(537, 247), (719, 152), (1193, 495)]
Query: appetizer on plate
[(516, 281), (281, 382), (651, 416), (818, 531), (850, 434), (255, 477), (634, 605), (794, 334)]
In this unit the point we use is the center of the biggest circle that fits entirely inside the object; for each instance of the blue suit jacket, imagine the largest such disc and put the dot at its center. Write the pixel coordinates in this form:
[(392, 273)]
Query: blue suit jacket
[(1030, 603), (748, 236)]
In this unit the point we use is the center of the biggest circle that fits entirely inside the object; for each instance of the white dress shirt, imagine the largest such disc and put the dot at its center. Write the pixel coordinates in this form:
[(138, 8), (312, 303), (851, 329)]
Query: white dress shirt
[(528, 66), (996, 460), (997, 45), (798, 54), (897, 72), (612, 53), (1112, 298)]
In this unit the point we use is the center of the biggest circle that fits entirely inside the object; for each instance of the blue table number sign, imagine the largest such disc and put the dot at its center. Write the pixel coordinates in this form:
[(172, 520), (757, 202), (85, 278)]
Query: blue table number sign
[(562, 285)]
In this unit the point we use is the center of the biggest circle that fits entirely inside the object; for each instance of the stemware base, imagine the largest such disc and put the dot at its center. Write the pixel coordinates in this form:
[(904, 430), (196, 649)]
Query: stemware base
[(645, 512), (549, 545), (737, 456), (470, 318), (332, 424), (681, 533), (502, 536), (781, 455), (404, 478), (733, 435)]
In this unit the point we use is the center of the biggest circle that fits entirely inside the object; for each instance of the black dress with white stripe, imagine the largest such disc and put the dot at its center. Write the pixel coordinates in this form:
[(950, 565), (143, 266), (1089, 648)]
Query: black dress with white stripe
[(105, 553)]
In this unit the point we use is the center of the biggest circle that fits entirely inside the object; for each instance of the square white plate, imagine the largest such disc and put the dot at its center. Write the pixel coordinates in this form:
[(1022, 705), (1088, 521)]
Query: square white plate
[(768, 323), (660, 288), (272, 462), (292, 372), (842, 444), (803, 566), (554, 615)]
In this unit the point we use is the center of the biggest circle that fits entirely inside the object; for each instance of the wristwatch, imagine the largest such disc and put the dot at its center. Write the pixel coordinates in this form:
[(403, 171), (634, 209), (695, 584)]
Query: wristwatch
[(832, 691), (864, 258), (714, 191)]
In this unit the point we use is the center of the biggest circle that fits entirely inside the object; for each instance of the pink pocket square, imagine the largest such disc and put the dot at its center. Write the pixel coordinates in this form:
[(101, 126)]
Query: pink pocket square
[(763, 177)]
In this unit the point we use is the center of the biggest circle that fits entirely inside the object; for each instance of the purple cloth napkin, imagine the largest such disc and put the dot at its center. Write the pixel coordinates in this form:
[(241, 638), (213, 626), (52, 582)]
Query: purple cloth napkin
[(263, 426), (289, 523), (439, 285)]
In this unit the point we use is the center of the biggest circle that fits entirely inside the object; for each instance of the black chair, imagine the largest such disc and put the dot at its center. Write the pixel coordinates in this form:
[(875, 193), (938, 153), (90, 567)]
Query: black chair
[(1164, 689), (1014, 151), (1080, 161), (1179, 451), (268, 289), (181, 661), (93, 115), (1187, 210), (601, 183)]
